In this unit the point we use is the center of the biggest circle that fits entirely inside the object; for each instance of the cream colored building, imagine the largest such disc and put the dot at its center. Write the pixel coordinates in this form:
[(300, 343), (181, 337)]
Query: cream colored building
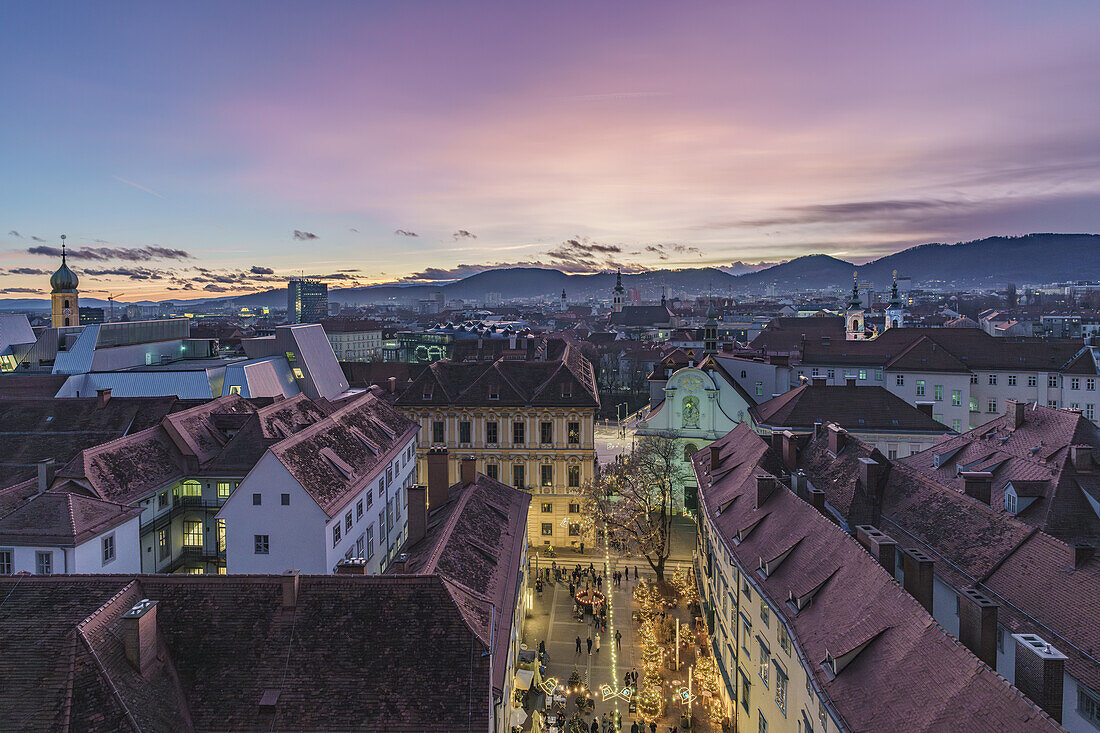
[(529, 424)]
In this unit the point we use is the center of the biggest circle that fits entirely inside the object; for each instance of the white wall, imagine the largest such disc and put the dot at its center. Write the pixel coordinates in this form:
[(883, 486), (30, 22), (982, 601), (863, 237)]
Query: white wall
[(88, 556), (296, 541)]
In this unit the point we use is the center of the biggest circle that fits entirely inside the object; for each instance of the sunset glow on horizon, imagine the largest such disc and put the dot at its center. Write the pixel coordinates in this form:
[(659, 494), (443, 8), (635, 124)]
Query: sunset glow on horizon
[(387, 142)]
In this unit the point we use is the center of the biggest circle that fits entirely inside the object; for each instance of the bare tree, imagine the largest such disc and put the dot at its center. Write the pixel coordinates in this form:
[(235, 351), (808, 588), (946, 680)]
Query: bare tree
[(633, 498)]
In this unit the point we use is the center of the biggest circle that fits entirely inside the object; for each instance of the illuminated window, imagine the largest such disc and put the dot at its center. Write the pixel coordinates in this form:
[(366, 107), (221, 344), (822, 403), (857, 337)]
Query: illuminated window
[(189, 488), (235, 389), (920, 388), (937, 392), (784, 638), (192, 533), (956, 398), (163, 548), (546, 477), (219, 525), (298, 373), (574, 476), (765, 667), (547, 529), (574, 433), (765, 612), (224, 489), (781, 689)]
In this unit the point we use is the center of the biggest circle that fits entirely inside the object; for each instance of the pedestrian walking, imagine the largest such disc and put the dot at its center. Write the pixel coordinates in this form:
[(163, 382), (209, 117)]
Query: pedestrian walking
[(597, 642), (582, 552), (653, 726), (578, 645), (590, 645), (633, 676), (634, 727), (618, 640), (595, 727), (635, 572)]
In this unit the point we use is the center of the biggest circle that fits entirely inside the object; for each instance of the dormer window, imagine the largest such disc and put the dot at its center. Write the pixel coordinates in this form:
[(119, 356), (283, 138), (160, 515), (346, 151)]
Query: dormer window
[(1010, 502), (494, 391), (428, 390), (566, 389)]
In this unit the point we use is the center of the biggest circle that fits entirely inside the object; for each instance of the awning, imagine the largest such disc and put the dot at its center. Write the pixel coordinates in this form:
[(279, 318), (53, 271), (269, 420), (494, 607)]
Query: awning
[(519, 716), (524, 678)]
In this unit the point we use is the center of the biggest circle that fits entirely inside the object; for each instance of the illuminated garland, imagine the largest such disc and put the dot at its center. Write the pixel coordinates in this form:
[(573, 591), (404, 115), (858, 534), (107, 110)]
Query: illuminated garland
[(706, 681)]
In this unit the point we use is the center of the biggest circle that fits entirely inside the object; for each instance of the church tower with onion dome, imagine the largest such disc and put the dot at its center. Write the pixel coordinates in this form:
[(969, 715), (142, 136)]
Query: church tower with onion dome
[(64, 297)]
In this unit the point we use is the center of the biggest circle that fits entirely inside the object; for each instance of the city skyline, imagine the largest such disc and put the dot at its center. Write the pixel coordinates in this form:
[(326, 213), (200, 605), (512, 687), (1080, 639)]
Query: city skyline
[(379, 143)]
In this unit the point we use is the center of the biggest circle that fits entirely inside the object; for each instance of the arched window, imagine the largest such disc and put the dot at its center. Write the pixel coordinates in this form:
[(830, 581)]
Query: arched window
[(67, 322), (855, 324), (894, 323), (744, 374), (689, 450), (64, 304)]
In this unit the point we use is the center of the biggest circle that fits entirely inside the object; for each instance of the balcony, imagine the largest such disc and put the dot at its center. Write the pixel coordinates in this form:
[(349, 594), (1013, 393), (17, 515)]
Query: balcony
[(192, 555), (180, 505)]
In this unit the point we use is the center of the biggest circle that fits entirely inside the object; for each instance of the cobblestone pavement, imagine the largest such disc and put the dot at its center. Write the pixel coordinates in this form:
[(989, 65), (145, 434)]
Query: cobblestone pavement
[(552, 621)]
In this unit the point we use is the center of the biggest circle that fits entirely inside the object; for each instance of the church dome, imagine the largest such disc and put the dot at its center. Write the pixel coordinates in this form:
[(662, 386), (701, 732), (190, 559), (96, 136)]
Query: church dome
[(64, 278)]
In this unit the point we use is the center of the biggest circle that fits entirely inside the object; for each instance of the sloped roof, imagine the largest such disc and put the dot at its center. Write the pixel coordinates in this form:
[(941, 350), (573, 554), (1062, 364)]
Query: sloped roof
[(64, 519), (643, 315), (365, 435), (334, 658), (516, 382), (854, 408), (475, 542), (859, 604)]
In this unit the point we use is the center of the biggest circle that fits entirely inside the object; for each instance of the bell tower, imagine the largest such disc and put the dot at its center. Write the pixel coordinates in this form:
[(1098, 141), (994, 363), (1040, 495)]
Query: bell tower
[(617, 294), (896, 313), (854, 324), (64, 296)]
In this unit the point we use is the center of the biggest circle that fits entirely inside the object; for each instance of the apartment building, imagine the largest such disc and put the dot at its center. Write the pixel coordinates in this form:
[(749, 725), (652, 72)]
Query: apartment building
[(871, 413), (993, 532), (966, 375), (314, 463), (809, 632), (529, 423), (354, 340)]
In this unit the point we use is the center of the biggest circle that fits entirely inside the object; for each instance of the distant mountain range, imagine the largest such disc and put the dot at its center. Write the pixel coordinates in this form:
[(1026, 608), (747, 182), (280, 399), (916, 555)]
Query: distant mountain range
[(1026, 260)]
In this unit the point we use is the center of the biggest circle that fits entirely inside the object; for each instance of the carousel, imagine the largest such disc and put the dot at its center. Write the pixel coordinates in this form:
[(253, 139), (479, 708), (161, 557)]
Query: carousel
[(590, 601)]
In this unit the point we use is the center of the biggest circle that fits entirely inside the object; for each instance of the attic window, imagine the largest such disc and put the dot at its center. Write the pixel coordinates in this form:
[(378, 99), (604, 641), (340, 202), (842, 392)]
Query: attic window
[(428, 390), (494, 391), (338, 463), (566, 389)]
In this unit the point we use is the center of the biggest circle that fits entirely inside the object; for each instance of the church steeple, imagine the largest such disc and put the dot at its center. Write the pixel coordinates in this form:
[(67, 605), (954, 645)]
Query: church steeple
[(64, 297), (896, 312), (617, 293), (855, 326)]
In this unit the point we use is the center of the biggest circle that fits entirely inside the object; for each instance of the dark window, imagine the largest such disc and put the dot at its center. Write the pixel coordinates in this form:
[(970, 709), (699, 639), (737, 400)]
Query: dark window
[(518, 435), (566, 389), (260, 542), (546, 432), (492, 471), (547, 529), (437, 431), (574, 432), (162, 500), (494, 391), (517, 476), (547, 507), (546, 474), (491, 432), (285, 499), (574, 475), (574, 530), (464, 431), (574, 508), (257, 499)]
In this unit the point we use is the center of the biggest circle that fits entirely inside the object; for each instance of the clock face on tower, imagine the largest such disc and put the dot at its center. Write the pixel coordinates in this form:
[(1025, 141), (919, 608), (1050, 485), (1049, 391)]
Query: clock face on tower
[(68, 311)]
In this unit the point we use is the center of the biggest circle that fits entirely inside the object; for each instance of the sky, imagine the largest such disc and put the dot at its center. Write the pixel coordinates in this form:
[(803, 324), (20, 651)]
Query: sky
[(211, 148)]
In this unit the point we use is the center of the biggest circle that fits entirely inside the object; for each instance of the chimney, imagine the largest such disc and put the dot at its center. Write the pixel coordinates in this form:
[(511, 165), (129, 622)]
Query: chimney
[(765, 485), (789, 450), (354, 566), (393, 384), (1018, 410), (1082, 553), (881, 547), (849, 380), (925, 407), (46, 471), (1081, 455), (817, 499), (139, 634), (418, 513), (818, 381), (1039, 670), (290, 588), (400, 563), (438, 480), (918, 569), (775, 440), (978, 485), (870, 477), (817, 429), (837, 437), (978, 625), (469, 470), (102, 397)]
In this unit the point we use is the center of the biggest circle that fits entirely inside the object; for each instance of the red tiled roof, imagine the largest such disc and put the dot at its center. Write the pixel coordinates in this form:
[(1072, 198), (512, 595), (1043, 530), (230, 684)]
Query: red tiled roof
[(918, 678), (354, 653), (64, 519), (854, 408)]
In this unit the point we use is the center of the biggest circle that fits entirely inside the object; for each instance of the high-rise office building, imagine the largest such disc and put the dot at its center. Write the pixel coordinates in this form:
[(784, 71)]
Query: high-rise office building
[(307, 301)]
